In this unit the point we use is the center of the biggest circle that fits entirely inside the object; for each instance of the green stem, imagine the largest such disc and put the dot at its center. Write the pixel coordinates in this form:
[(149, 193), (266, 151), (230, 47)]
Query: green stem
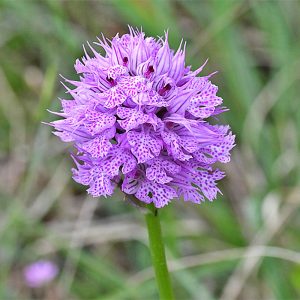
[(158, 255)]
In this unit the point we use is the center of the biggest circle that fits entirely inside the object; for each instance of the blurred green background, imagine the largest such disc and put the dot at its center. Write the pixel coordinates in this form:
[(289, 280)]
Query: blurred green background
[(244, 245)]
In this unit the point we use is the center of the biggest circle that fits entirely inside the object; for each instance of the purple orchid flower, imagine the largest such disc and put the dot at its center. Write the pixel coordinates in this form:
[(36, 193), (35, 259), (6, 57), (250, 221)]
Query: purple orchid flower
[(139, 119)]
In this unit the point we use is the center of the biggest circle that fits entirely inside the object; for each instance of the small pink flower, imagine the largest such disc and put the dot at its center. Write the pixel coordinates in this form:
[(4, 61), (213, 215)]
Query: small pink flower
[(39, 273)]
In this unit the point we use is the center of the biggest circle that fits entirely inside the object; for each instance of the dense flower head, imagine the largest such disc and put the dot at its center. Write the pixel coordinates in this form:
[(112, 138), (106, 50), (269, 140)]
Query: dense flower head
[(139, 119)]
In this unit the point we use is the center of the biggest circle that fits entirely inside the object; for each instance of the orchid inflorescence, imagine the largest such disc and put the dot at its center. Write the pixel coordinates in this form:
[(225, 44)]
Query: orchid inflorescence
[(138, 118)]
